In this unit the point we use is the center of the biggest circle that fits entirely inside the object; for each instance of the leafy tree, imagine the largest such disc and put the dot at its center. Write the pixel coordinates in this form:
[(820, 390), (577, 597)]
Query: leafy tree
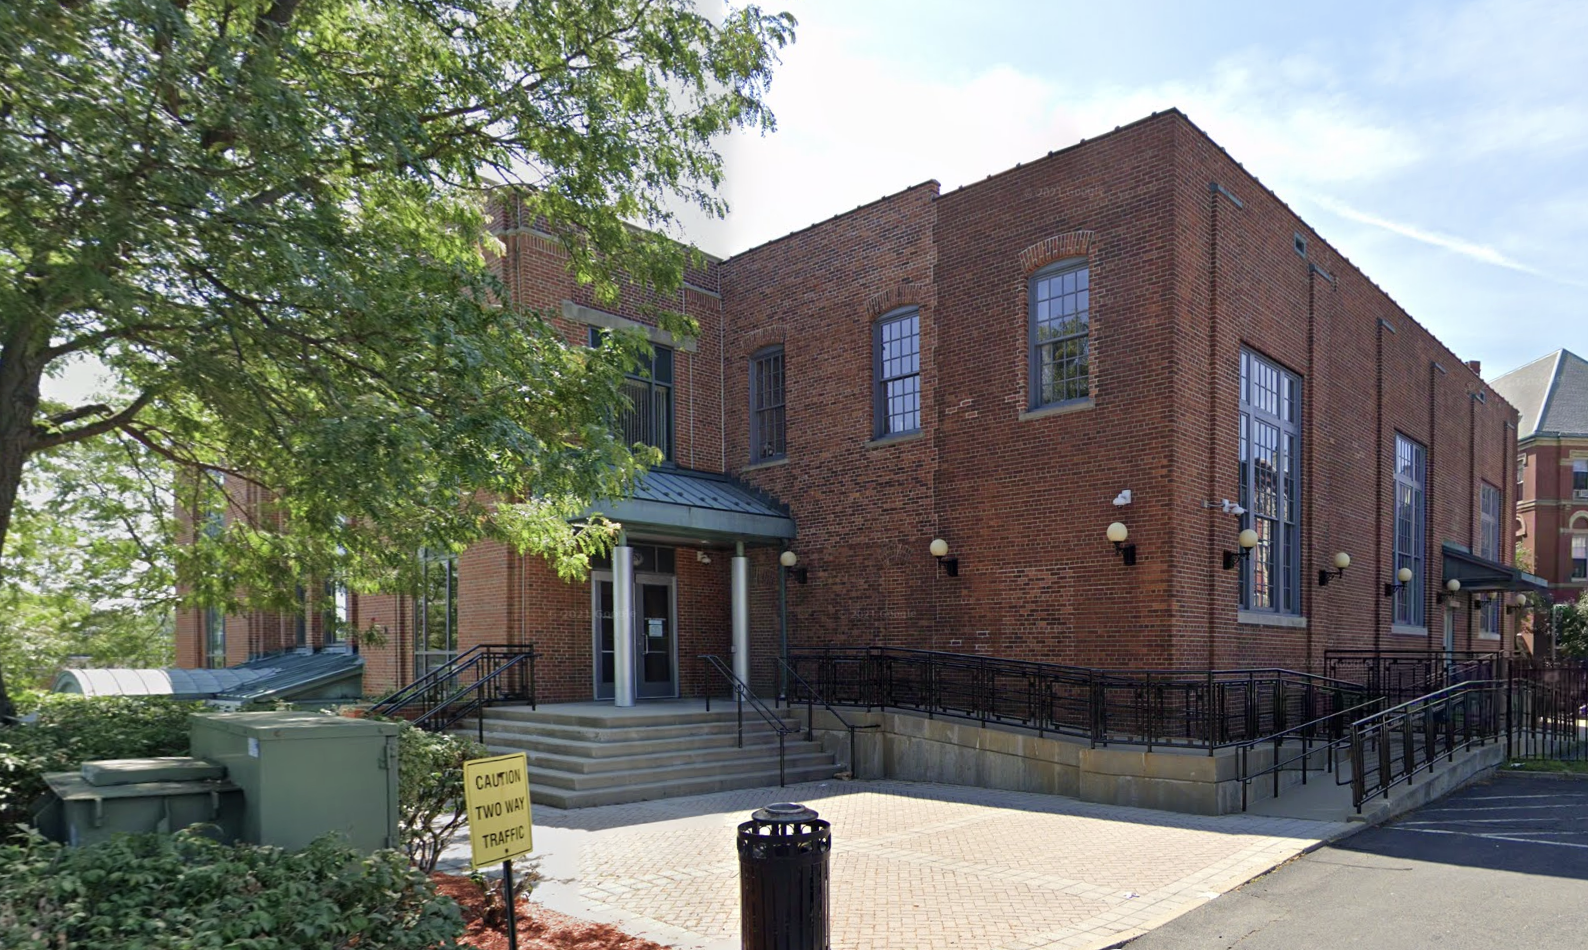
[(1571, 627), (88, 561), (265, 218)]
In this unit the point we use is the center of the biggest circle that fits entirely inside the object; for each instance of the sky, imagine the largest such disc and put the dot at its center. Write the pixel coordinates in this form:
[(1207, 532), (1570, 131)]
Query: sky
[(1442, 147)]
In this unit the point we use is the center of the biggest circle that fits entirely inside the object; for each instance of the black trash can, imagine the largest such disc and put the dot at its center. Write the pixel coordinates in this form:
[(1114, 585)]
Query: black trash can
[(783, 853)]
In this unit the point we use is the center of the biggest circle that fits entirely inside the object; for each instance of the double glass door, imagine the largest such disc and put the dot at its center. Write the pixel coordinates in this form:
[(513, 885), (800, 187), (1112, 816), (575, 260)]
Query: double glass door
[(653, 635)]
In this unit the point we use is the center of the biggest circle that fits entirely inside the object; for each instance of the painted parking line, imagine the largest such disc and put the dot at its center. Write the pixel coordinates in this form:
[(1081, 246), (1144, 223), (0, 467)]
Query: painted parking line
[(1576, 806), (1490, 837), (1498, 821)]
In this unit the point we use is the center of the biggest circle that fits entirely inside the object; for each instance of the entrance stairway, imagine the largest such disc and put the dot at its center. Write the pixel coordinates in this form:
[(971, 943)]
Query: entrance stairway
[(586, 754)]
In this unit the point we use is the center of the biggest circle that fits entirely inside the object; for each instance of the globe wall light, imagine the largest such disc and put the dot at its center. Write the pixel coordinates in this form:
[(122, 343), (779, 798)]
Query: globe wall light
[(1341, 562), (1246, 540)]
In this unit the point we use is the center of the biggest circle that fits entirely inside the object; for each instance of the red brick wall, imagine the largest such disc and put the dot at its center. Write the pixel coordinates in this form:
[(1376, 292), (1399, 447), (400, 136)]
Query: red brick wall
[(1549, 514), (1184, 276)]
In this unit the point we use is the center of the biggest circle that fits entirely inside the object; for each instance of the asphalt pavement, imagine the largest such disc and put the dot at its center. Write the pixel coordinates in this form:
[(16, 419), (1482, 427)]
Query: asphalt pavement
[(1497, 865)]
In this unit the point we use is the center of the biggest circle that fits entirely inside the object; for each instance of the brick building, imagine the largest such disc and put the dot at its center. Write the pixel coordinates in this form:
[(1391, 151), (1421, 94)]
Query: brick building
[(1130, 330), (1551, 524)]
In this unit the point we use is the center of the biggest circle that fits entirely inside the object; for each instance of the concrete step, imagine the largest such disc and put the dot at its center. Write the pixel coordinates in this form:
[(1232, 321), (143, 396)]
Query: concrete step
[(639, 754), (625, 794), (599, 748), (624, 733), (654, 773), (581, 757)]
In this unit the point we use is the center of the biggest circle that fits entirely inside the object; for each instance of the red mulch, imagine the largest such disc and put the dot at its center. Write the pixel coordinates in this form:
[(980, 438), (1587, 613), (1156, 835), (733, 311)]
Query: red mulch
[(538, 928)]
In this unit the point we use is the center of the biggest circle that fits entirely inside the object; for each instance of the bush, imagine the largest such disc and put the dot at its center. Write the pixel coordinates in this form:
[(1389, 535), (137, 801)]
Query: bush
[(71, 730), (184, 891), (430, 791)]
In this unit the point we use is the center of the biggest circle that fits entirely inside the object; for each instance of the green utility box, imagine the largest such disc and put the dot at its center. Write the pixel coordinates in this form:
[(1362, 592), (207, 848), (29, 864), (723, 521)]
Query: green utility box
[(306, 774), (137, 796)]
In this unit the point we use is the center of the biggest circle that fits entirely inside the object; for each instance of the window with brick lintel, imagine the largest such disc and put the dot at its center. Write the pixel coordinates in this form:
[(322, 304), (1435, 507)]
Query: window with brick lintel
[(896, 367), (767, 439), (1060, 318)]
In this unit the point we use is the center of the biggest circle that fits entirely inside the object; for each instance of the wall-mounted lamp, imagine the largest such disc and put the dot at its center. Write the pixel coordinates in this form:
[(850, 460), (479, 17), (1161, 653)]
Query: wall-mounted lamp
[(1478, 603), (1117, 533), (1518, 603), (939, 549), (1341, 562), (1452, 588), (1247, 540), (1402, 578), (788, 559)]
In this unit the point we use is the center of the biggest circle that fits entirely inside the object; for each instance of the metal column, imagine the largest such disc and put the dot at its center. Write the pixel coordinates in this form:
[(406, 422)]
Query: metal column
[(623, 623), (741, 614)]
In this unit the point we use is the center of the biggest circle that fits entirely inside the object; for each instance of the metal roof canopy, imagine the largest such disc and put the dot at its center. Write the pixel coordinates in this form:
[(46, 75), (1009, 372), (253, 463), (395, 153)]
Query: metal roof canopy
[(1478, 574), (693, 506)]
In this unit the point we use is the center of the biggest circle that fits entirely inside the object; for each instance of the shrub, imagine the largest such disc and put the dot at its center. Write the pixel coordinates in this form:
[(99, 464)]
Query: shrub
[(184, 891), (430, 791), (71, 730)]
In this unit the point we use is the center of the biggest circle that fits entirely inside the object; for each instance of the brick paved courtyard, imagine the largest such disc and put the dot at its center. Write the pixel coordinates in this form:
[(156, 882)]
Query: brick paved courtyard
[(913, 866)]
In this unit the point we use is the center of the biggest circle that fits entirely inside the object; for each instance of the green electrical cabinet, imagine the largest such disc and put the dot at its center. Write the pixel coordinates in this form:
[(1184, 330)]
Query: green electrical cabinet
[(136, 796), (304, 775)]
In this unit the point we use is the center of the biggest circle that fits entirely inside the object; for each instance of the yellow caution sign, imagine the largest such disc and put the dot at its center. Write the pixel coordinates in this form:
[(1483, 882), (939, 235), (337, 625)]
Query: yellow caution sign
[(496, 791)]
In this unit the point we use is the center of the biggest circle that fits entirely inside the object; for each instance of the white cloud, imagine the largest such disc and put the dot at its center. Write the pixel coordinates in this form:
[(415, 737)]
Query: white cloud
[(853, 127)]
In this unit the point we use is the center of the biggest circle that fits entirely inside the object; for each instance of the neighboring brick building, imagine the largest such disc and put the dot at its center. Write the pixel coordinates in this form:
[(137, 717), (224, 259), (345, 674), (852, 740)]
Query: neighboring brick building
[(996, 367), (1551, 394)]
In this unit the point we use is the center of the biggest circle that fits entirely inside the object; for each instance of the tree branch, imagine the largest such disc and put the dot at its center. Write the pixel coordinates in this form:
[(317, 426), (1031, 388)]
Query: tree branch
[(44, 439)]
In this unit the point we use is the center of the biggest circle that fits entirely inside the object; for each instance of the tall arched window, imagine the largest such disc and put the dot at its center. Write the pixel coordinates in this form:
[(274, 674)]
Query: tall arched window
[(1060, 298)]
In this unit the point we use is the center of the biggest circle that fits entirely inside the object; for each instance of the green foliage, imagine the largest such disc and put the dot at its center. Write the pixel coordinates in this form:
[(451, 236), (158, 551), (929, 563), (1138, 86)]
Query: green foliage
[(184, 891), (88, 563), (430, 791), (265, 220), (1571, 627), (71, 730)]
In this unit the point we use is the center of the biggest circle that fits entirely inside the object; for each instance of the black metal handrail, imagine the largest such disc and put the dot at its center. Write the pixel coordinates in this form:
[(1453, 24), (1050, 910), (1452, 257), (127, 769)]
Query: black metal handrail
[(1207, 709), (492, 688), (811, 698), (1411, 737), (1335, 725), (1401, 675), (742, 694), (485, 675)]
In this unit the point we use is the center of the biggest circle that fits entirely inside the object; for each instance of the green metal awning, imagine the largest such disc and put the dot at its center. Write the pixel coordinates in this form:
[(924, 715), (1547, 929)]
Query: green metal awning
[(688, 505), (1481, 574)]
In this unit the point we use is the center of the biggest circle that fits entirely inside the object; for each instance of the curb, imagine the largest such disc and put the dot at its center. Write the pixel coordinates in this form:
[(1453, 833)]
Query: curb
[(1546, 776)]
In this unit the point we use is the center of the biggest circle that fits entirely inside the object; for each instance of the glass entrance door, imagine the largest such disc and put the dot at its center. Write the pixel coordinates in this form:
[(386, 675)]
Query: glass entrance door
[(655, 647), (653, 635)]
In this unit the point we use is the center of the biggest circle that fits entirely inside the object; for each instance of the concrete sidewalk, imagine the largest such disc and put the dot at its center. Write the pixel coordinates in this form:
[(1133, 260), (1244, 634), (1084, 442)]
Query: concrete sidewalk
[(913, 866)]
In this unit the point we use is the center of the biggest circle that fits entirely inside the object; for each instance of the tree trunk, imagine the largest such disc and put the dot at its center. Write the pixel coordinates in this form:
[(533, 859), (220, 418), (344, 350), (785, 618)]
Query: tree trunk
[(20, 375)]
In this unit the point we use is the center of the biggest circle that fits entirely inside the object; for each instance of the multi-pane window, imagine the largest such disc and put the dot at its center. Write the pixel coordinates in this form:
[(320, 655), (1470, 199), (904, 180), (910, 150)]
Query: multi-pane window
[(214, 638), (1521, 469), (1579, 476), (436, 613), (649, 417), (1270, 478), (1411, 479), (1579, 557), (1489, 522), (897, 370), (337, 616), (1489, 547), (766, 405), (1060, 298), (1489, 617)]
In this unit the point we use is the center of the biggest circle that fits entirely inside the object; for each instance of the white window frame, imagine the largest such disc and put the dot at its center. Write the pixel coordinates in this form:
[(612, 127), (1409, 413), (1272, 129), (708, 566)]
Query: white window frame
[(1410, 471), (1275, 410), (1047, 288)]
